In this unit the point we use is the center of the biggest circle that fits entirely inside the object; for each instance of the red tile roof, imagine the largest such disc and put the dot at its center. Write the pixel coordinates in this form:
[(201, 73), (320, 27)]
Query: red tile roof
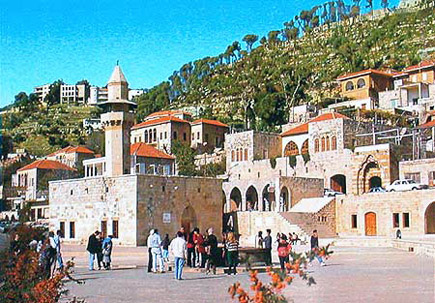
[(422, 64), (159, 121), (144, 150), (168, 113), (303, 128), (211, 122), (46, 164), (427, 124), (72, 149), (364, 72)]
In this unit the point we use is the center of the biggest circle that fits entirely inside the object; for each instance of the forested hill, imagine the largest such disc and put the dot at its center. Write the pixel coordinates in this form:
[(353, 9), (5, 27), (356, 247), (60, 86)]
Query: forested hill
[(296, 64)]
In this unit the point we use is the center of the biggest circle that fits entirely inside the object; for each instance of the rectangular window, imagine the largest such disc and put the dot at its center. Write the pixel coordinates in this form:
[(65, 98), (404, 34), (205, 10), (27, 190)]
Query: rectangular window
[(62, 228), (166, 135), (354, 221), (174, 136), (395, 220), (184, 136), (72, 230), (406, 222), (413, 176), (197, 135), (115, 229), (161, 136), (39, 213), (104, 228)]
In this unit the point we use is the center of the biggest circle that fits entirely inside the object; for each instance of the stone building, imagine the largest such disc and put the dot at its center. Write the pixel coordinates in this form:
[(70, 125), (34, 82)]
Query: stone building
[(122, 202), (146, 159), (208, 134), (381, 214), (72, 156), (129, 206), (421, 171)]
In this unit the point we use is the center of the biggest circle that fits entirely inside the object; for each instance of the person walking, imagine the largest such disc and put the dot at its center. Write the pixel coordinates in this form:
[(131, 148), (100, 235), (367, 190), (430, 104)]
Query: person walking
[(150, 254), (107, 252), (178, 249), (156, 251), (57, 240), (284, 249), (268, 246), (212, 251), (92, 248), (232, 246), (190, 250), (315, 247)]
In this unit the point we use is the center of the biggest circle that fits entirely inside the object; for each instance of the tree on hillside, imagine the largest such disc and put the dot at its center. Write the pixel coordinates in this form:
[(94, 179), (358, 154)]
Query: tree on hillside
[(250, 39), (185, 159), (53, 96)]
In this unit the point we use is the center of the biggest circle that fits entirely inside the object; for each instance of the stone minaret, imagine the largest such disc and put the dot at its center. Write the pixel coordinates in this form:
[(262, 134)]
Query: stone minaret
[(117, 120)]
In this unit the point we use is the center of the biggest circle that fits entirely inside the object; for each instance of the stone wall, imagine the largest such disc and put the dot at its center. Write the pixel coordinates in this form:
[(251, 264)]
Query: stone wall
[(182, 200), (89, 201), (415, 203), (424, 167), (137, 202), (323, 221)]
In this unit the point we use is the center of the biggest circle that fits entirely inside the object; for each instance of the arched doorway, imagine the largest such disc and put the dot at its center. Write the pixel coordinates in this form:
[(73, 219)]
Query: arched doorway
[(267, 198), (304, 148), (188, 218), (429, 219), (13, 218), (7, 218), (338, 183), (291, 149), (252, 198), (235, 199), (369, 168), (370, 224), (284, 199), (375, 181)]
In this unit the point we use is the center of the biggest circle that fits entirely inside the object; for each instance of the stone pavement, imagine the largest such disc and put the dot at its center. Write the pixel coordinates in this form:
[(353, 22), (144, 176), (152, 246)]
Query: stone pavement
[(352, 275)]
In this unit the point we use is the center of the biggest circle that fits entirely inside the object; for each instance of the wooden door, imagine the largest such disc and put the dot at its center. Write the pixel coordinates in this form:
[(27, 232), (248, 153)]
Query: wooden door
[(370, 221)]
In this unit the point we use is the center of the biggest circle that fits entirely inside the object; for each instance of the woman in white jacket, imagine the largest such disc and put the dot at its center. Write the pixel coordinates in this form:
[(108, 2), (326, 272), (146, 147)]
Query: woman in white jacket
[(178, 250)]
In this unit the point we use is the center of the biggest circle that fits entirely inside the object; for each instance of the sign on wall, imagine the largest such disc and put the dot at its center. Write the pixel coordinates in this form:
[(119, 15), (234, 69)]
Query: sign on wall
[(166, 218)]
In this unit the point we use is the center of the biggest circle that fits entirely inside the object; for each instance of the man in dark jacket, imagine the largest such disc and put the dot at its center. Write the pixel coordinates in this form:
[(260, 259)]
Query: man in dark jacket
[(93, 248), (268, 246)]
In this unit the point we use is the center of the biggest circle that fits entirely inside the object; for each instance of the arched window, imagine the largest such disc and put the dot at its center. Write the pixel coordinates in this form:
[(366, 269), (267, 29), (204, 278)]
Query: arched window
[(361, 83), (246, 154), (349, 85), (233, 156), (241, 154), (146, 136), (304, 149), (316, 145), (238, 155), (155, 134), (334, 143), (328, 143), (291, 149), (323, 144)]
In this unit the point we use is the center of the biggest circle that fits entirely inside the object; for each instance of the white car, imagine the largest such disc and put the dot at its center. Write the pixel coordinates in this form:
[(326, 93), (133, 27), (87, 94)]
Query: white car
[(404, 185), (331, 193)]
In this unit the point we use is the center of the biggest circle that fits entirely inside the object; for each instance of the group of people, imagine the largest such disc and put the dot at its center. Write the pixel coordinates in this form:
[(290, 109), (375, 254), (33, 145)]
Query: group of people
[(48, 248), (193, 249), (100, 248), (284, 246)]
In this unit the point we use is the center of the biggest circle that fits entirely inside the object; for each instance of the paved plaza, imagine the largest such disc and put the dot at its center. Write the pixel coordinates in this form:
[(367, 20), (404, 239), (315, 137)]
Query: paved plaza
[(352, 275)]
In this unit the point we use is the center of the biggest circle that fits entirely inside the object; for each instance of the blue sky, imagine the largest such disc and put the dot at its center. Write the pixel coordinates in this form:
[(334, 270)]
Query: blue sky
[(42, 40)]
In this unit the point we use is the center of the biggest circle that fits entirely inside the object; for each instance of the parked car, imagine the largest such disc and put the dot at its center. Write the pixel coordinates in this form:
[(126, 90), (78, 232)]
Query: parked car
[(377, 189), (331, 193), (404, 185)]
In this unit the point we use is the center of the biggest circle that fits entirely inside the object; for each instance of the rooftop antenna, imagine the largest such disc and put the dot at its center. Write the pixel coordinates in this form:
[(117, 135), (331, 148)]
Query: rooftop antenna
[(117, 62)]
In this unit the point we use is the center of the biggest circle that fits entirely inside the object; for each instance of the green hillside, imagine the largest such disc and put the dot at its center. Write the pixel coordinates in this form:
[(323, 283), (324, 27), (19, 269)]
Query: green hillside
[(251, 85), (294, 65)]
